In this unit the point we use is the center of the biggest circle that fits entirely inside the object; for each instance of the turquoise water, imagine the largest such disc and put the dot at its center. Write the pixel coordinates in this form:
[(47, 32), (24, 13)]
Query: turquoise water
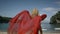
[(49, 27), (4, 26)]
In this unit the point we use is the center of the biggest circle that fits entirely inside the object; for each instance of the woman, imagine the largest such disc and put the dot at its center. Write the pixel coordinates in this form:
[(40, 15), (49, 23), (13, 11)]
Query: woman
[(26, 24), (36, 13)]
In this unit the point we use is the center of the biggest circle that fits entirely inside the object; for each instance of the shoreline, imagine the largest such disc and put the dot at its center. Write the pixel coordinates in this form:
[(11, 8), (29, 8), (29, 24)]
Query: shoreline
[(39, 33)]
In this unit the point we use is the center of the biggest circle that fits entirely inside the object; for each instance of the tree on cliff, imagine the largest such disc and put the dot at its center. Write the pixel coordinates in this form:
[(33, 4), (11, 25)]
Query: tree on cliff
[(55, 17), (4, 19)]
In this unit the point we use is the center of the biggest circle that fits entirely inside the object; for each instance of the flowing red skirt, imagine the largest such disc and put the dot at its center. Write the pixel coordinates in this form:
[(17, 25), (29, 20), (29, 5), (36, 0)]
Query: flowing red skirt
[(23, 23)]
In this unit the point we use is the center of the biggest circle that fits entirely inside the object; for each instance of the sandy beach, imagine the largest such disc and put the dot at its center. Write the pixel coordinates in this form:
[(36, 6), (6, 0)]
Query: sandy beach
[(39, 33)]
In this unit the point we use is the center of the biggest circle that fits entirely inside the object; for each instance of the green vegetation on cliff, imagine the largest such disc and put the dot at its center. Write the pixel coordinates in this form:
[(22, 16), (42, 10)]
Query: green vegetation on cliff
[(4, 19), (55, 17)]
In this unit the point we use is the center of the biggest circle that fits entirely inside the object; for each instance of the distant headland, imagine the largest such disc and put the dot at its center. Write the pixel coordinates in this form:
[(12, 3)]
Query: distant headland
[(4, 19), (55, 18)]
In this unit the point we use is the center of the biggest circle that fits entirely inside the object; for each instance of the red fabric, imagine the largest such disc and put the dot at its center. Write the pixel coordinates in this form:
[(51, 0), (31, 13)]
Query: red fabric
[(31, 26), (23, 23)]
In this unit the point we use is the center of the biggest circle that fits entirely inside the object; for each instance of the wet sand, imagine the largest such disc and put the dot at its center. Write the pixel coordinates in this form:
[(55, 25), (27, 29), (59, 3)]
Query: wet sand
[(43, 33)]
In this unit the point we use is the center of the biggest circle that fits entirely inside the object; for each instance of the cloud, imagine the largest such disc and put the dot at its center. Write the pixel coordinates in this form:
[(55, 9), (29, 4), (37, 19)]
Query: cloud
[(50, 9)]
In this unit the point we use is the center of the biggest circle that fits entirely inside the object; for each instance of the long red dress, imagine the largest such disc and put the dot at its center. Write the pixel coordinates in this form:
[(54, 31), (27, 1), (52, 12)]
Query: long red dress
[(23, 23)]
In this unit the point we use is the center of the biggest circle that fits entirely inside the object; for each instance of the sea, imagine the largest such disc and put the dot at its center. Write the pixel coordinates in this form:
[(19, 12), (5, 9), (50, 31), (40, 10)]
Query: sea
[(45, 27)]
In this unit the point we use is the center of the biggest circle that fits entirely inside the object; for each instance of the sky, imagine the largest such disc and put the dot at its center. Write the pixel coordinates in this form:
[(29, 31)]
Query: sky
[(10, 8)]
